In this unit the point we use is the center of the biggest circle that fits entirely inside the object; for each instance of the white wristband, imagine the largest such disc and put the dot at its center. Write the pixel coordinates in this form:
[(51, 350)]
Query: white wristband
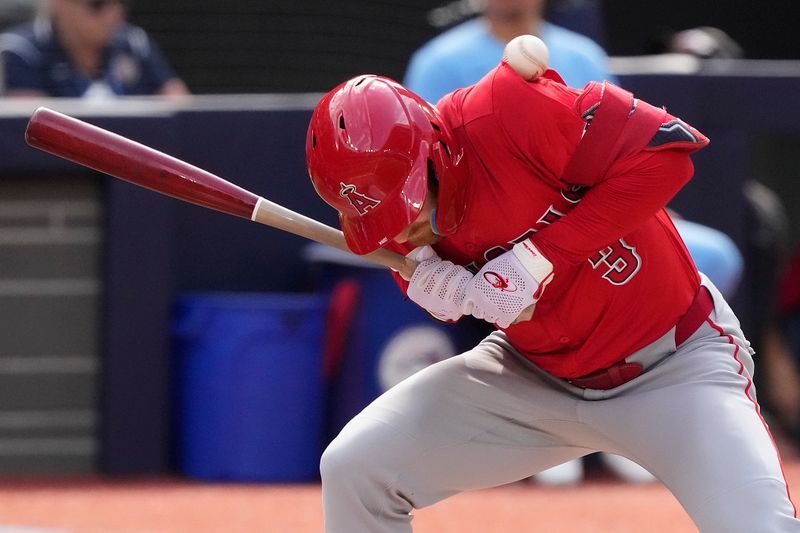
[(534, 262)]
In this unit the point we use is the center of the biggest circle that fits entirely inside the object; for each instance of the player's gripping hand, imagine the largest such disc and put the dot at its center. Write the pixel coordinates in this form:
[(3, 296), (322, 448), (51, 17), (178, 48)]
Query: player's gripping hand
[(509, 284), (438, 286)]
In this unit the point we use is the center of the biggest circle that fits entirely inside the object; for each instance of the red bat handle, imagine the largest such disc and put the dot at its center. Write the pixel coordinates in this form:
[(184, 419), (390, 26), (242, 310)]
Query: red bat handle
[(128, 160)]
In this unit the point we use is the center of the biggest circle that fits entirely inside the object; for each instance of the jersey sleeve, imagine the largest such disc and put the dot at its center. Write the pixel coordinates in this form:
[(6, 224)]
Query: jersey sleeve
[(547, 122), (634, 190)]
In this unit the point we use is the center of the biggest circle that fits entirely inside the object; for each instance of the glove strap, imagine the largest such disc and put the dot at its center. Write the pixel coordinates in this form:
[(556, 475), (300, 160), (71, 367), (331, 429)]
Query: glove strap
[(534, 262)]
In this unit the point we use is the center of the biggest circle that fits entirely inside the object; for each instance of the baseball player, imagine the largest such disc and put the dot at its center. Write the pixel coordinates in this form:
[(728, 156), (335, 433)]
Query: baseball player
[(540, 208)]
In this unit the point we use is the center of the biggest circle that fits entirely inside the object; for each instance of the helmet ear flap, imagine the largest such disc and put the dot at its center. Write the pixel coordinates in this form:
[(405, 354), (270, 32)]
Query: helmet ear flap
[(451, 183), (433, 178), (439, 158), (445, 147)]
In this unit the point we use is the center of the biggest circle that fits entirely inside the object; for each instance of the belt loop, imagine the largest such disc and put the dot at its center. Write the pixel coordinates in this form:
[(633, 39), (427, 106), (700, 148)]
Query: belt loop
[(698, 312), (608, 378)]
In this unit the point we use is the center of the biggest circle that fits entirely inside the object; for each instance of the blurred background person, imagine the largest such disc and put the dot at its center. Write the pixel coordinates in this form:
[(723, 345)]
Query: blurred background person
[(714, 253), (772, 286), (84, 48), (706, 42), (463, 54), (788, 337), (789, 302), (771, 275)]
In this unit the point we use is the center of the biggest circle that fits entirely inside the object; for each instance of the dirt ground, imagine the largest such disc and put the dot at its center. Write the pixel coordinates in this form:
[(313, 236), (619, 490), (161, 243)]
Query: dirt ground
[(601, 504)]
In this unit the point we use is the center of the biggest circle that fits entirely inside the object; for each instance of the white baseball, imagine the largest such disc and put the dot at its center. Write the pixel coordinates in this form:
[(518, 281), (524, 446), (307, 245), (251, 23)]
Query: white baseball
[(527, 55)]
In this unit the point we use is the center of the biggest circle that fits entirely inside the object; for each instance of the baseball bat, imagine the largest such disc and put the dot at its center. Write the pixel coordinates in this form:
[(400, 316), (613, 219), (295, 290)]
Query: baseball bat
[(123, 158)]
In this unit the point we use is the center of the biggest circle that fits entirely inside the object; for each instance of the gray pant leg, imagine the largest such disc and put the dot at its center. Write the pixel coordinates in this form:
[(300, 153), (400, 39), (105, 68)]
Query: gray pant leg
[(694, 423), (484, 418), (477, 420)]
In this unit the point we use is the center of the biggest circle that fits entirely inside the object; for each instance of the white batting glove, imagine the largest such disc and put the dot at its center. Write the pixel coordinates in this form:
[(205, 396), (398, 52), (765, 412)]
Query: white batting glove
[(438, 286), (508, 284)]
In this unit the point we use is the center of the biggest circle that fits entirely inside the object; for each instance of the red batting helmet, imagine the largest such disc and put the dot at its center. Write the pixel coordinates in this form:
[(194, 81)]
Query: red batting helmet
[(369, 147)]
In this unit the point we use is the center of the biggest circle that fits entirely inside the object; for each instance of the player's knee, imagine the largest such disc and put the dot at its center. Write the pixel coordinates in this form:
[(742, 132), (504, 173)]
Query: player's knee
[(331, 462), (762, 506), (340, 464)]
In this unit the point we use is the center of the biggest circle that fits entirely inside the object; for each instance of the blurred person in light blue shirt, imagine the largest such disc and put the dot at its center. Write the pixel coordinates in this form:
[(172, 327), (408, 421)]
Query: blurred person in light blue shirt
[(463, 54)]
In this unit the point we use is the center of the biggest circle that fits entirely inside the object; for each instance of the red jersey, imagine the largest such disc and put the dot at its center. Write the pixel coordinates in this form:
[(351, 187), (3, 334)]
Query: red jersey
[(622, 275)]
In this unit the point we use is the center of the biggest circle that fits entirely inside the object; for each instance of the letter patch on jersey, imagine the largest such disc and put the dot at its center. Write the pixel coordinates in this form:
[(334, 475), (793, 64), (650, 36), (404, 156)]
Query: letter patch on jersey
[(574, 193), (620, 260), (360, 201)]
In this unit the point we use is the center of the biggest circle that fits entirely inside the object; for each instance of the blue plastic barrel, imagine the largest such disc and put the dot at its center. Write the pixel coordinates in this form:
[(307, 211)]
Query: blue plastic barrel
[(389, 336), (249, 383)]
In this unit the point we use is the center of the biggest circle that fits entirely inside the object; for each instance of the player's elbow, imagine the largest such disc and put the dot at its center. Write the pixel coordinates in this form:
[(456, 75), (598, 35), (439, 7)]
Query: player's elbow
[(677, 165)]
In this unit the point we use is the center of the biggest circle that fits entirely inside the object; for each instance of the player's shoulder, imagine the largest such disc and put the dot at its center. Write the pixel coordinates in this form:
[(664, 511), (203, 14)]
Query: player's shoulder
[(29, 34), (133, 39), (506, 96), (29, 40), (507, 116)]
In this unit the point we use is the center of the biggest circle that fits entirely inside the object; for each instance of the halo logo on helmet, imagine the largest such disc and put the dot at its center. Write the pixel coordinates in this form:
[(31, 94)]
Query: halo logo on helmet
[(360, 201)]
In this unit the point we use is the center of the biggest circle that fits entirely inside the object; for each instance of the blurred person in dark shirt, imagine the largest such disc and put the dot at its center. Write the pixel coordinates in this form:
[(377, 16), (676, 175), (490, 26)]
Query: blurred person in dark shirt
[(84, 48)]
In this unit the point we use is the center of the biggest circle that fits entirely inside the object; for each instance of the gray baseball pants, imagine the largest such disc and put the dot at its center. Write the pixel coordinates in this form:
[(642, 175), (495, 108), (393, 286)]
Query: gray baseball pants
[(489, 417)]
